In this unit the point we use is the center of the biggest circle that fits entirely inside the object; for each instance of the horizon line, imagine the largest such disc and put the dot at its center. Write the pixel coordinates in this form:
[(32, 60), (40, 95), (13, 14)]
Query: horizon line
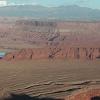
[(47, 6)]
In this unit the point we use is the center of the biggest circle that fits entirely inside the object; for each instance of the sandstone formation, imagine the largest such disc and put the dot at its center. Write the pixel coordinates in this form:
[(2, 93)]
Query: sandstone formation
[(19, 33), (55, 53), (47, 39), (92, 94)]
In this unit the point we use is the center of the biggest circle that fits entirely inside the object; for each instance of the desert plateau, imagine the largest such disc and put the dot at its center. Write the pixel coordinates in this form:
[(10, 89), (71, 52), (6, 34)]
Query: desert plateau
[(49, 53), (47, 60)]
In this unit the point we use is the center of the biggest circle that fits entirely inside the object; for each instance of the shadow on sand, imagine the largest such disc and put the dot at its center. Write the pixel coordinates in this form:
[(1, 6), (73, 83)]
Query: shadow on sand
[(26, 97), (95, 98)]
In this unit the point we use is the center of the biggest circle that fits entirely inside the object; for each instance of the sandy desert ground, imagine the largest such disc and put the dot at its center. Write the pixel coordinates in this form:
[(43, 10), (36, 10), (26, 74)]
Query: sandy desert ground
[(48, 78)]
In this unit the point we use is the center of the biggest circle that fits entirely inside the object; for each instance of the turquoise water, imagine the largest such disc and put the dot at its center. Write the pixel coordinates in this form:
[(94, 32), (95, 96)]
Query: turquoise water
[(2, 54)]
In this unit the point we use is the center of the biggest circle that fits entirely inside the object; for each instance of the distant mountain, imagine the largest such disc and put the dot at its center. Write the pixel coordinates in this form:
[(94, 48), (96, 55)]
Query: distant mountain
[(60, 13)]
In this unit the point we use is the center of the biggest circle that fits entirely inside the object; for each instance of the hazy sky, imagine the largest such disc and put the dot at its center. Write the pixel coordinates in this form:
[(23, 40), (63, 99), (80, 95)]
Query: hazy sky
[(86, 3)]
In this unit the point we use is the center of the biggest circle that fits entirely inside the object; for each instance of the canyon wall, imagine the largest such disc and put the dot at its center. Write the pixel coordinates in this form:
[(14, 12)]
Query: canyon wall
[(49, 40), (55, 53), (19, 33)]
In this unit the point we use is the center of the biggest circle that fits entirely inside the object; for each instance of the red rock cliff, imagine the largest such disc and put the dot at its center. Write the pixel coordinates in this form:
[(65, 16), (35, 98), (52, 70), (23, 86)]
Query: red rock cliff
[(55, 53)]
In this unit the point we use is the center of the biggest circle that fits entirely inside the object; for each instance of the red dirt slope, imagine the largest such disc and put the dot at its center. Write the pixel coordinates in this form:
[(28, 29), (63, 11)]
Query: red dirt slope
[(92, 94)]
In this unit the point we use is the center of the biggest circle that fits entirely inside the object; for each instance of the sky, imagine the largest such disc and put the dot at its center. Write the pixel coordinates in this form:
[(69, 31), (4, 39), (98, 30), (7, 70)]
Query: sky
[(95, 4)]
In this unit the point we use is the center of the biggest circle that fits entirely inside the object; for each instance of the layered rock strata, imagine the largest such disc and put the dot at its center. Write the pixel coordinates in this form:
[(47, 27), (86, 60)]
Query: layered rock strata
[(55, 53)]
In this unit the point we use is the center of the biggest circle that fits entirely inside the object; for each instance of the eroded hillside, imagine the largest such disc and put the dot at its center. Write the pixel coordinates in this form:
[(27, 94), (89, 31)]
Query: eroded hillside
[(50, 39)]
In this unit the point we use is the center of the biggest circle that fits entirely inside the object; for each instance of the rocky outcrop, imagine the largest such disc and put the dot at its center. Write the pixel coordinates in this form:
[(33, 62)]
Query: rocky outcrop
[(79, 53), (92, 94), (38, 33), (55, 53), (28, 54)]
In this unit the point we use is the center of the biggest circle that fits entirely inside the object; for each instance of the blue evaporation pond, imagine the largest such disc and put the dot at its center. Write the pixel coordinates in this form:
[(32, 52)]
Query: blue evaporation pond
[(2, 54)]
